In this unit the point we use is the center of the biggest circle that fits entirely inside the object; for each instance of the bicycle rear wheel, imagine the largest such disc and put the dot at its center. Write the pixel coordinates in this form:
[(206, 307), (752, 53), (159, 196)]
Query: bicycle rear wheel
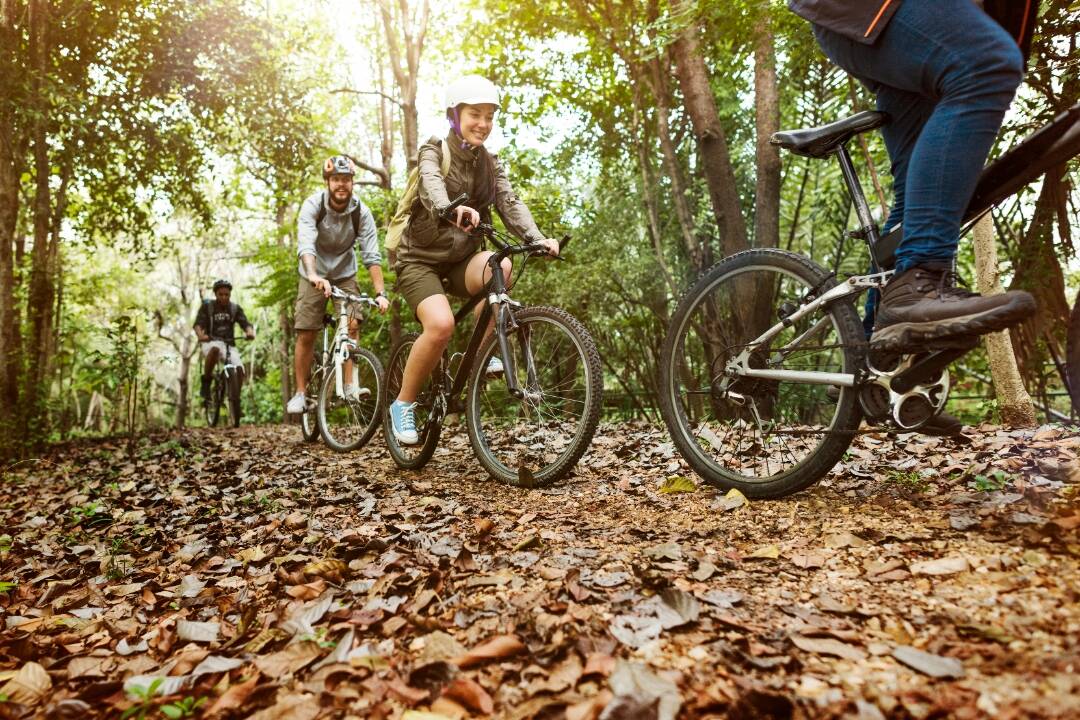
[(309, 421), (429, 410), (768, 438), (535, 440), (347, 424)]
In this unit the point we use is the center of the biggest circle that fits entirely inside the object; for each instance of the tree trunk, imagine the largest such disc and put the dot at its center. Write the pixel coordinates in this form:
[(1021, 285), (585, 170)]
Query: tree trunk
[(40, 296), (1038, 270), (12, 154), (700, 105), (404, 54), (767, 122), (183, 389), (680, 195), (285, 347), (1014, 403)]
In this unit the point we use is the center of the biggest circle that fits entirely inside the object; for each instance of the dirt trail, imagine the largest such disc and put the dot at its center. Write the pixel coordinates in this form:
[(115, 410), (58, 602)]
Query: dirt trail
[(923, 578)]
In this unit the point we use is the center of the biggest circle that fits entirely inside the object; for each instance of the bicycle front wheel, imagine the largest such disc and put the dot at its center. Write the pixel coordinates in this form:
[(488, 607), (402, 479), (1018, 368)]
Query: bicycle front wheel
[(428, 411), (766, 437), (347, 423), (535, 439), (213, 405)]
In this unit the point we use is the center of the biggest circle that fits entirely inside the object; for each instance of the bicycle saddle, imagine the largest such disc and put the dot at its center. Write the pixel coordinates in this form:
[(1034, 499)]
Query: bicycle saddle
[(818, 142)]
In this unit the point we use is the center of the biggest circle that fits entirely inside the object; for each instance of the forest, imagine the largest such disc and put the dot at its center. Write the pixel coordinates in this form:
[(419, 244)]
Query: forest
[(152, 147), (699, 527)]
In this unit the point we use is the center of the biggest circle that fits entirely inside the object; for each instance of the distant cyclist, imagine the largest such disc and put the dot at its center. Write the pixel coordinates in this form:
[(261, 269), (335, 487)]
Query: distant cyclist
[(332, 223), (945, 71), (214, 326)]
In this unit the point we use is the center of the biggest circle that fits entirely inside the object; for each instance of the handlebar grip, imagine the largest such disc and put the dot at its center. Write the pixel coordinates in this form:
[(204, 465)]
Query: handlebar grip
[(457, 202)]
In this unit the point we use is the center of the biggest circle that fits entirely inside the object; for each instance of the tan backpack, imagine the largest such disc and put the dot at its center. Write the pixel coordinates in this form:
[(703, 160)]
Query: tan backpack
[(400, 220)]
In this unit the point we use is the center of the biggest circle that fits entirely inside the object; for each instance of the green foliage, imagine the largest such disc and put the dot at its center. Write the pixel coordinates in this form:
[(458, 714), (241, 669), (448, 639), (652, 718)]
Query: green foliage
[(908, 480), (183, 708), (144, 697), (995, 481)]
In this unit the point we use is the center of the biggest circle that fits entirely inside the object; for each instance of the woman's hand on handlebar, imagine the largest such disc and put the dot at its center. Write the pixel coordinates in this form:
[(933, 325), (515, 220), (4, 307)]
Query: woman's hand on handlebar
[(551, 244), (465, 218)]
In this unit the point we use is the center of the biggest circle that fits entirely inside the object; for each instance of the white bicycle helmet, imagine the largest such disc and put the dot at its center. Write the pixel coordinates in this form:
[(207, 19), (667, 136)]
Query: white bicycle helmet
[(471, 90)]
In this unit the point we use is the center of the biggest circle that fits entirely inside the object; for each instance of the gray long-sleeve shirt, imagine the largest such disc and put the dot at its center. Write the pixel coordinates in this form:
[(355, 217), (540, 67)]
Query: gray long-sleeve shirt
[(333, 241)]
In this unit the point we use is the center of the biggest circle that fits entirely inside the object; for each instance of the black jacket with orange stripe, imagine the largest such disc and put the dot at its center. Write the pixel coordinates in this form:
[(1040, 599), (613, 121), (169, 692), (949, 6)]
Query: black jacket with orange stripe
[(864, 20)]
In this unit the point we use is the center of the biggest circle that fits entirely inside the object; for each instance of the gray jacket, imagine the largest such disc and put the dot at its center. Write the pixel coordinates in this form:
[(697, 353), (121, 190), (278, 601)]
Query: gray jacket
[(859, 20), (333, 241), (431, 240)]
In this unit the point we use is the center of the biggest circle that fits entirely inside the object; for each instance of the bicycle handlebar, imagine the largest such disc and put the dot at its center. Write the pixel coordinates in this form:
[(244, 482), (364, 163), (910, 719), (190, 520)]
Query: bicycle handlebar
[(359, 299)]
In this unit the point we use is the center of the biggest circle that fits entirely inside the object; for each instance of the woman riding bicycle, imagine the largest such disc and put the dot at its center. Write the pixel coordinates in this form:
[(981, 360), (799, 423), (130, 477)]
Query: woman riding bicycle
[(437, 256)]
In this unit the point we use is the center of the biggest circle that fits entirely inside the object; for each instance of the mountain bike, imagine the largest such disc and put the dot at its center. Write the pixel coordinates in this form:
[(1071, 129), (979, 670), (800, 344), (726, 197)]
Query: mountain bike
[(347, 422), (225, 388), (530, 424), (766, 375)]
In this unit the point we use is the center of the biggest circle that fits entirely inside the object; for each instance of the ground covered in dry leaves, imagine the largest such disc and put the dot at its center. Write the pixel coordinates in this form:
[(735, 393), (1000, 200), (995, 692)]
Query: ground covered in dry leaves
[(243, 573)]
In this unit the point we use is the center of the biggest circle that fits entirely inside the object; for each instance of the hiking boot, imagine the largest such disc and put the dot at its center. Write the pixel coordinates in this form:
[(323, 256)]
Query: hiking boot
[(297, 404), (403, 422), (942, 425), (204, 389), (922, 308)]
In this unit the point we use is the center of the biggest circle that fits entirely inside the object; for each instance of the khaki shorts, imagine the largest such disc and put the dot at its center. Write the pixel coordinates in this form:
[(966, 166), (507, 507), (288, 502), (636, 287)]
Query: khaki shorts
[(311, 303), (417, 282), (224, 351)]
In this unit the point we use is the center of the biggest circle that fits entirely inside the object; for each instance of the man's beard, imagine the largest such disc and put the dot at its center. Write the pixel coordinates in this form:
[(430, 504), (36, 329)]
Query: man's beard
[(343, 201)]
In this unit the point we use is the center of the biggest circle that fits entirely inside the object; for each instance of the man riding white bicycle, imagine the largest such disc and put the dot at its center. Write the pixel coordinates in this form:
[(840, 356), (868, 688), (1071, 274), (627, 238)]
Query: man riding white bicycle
[(332, 223), (214, 326)]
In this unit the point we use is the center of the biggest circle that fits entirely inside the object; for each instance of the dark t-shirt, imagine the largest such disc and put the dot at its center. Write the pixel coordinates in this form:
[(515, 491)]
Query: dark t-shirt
[(218, 321)]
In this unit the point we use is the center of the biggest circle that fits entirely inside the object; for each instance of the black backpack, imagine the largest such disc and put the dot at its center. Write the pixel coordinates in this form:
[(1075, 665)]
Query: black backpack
[(355, 215)]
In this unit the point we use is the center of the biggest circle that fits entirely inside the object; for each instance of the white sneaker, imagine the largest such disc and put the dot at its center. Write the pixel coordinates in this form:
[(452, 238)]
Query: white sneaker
[(353, 393), (297, 404), (494, 366)]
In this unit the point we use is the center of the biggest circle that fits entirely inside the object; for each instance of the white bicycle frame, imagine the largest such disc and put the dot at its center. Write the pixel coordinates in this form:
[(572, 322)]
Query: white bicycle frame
[(343, 344), (739, 365)]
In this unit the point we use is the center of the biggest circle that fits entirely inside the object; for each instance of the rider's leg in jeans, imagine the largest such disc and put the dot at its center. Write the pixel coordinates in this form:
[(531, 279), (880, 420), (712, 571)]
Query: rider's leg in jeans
[(955, 57), (908, 112)]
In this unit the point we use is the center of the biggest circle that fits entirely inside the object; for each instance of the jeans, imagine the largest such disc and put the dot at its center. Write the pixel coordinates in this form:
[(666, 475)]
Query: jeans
[(945, 72)]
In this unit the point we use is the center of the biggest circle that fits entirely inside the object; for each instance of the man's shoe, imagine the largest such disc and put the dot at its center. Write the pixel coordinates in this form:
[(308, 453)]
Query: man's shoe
[(494, 366), (353, 393), (921, 308), (403, 422), (297, 404), (941, 425), (204, 389)]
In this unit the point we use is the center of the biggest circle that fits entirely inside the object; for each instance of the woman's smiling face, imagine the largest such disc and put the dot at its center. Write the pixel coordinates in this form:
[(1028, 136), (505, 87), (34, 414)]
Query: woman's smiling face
[(476, 123)]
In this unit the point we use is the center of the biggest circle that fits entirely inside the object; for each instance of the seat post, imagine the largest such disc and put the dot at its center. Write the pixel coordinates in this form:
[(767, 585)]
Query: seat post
[(868, 229)]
